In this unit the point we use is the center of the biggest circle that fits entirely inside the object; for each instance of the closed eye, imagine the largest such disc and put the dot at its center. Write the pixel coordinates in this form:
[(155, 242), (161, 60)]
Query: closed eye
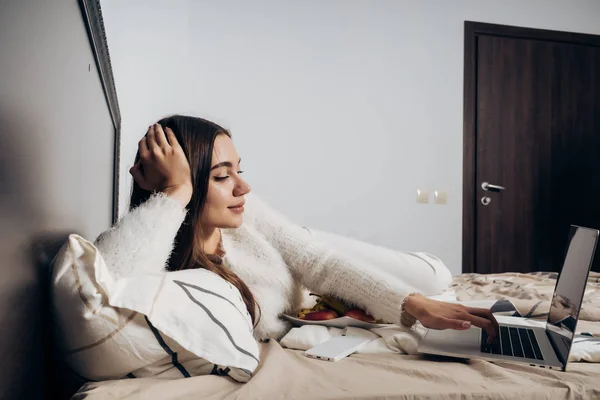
[(222, 178)]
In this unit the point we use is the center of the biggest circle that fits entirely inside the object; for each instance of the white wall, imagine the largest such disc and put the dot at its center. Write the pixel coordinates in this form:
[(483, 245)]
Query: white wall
[(339, 109)]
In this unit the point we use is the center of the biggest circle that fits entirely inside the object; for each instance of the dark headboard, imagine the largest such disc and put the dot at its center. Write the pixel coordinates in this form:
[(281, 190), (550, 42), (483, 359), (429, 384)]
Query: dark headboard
[(59, 136)]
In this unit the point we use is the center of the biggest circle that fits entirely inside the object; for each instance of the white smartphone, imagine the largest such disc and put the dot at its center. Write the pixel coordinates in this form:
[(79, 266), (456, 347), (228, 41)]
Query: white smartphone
[(336, 348)]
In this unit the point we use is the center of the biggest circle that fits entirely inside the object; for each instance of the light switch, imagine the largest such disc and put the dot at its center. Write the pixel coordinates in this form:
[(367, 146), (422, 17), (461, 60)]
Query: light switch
[(440, 197), (422, 196)]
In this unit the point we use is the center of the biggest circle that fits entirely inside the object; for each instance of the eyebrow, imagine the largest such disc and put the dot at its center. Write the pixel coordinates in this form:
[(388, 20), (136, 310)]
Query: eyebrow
[(224, 164)]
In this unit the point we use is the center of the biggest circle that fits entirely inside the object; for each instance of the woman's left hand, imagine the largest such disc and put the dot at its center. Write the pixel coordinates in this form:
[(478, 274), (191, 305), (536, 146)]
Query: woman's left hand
[(436, 314)]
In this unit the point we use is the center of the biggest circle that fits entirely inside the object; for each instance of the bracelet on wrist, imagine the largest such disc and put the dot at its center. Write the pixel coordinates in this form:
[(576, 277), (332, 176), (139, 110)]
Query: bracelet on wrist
[(406, 319)]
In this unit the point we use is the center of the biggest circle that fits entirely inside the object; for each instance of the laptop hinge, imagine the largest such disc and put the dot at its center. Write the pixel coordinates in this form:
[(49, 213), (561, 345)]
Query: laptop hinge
[(555, 348)]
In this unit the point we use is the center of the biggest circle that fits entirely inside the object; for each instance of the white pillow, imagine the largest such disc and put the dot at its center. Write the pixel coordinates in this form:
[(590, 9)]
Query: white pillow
[(171, 324)]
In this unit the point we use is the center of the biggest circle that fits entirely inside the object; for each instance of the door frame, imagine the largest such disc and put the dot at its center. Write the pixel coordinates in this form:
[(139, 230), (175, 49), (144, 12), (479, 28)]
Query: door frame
[(470, 197)]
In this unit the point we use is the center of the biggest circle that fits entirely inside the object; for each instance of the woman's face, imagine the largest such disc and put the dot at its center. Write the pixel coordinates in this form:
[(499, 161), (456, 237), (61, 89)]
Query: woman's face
[(226, 188)]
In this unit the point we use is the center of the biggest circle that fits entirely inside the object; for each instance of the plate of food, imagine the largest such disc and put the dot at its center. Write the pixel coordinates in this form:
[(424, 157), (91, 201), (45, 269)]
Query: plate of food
[(331, 312)]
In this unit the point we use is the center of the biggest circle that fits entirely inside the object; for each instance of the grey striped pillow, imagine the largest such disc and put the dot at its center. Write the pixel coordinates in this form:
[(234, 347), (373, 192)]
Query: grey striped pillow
[(169, 325)]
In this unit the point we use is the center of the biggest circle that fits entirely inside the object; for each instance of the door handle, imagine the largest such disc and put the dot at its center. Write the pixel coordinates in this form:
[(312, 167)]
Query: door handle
[(492, 188)]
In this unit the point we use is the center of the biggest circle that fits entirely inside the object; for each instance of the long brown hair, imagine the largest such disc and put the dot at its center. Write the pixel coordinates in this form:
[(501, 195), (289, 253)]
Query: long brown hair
[(196, 136)]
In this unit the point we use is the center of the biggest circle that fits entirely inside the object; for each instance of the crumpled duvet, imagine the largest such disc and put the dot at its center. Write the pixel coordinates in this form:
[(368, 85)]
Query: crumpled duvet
[(508, 295)]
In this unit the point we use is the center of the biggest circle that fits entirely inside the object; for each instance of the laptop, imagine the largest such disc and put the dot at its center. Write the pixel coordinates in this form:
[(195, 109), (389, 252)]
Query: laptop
[(523, 341)]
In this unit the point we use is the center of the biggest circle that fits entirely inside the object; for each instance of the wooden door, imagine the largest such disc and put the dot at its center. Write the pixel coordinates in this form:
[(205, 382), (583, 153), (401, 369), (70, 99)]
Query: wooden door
[(532, 127)]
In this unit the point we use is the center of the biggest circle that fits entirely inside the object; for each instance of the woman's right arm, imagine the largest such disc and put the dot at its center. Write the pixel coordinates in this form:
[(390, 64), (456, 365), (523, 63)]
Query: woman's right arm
[(142, 241)]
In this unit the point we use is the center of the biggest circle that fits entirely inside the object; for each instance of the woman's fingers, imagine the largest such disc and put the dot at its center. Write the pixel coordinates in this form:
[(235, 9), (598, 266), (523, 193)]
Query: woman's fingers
[(150, 136), (162, 163), (443, 322), (450, 323), (483, 323), (172, 138), (137, 174), (143, 148), (461, 323), (487, 314), (436, 314), (160, 137)]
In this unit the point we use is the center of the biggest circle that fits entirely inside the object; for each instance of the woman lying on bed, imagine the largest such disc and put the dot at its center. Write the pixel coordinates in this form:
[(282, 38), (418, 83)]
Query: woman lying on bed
[(190, 166)]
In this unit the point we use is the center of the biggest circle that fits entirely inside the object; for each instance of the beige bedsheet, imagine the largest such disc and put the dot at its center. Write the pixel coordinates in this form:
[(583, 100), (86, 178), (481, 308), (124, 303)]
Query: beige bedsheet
[(287, 374)]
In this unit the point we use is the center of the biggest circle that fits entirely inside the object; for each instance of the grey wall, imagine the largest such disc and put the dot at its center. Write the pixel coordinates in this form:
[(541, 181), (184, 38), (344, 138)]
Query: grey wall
[(56, 155)]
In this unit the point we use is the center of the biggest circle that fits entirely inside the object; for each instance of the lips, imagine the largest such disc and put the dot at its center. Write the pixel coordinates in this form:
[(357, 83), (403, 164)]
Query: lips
[(239, 205), (238, 208)]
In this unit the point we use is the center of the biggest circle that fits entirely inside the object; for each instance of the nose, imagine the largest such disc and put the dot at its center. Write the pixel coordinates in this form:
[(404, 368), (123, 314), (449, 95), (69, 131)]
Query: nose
[(241, 188)]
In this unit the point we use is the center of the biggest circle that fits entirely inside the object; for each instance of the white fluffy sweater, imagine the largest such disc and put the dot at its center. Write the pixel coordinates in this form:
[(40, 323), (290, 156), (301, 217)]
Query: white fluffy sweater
[(273, 256)]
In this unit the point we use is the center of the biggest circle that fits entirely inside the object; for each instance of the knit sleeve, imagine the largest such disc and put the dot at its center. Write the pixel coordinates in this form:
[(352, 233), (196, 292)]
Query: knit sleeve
[(323, 270), (143, 239)]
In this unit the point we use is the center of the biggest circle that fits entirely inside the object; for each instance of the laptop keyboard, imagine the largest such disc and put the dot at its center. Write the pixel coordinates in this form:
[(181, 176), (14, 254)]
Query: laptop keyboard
[(517, 342)]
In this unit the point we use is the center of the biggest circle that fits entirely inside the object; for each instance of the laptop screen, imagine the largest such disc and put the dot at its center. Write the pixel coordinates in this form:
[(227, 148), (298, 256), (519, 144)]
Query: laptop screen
[(570, 287)]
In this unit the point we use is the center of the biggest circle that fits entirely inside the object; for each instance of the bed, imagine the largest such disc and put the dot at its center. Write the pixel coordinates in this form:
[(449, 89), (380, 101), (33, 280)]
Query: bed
[(282, 373), (287, 374)]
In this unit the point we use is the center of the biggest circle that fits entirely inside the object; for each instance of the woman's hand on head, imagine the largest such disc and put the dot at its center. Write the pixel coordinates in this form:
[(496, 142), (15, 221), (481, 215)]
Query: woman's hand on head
[(163, 166), (435, 314)]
